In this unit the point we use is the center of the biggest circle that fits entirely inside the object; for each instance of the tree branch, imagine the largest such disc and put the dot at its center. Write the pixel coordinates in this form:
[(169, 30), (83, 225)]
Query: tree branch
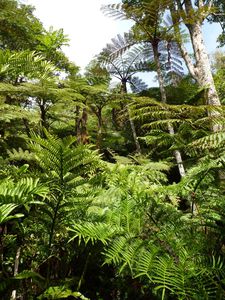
[(188, 60)]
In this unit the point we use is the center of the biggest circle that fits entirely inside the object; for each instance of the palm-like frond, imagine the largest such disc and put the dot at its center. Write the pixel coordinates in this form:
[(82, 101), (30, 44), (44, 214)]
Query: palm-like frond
[(26, 191), (137, 85), (190, 121), (24, 64), (6, 213), (93, 232), (114, 10), (118, 46), (211, 141), (58, 158), (13, 112), (147, 17)]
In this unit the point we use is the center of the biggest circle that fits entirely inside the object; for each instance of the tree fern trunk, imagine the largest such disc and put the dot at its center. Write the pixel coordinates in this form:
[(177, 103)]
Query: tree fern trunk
[(99, 133), (84, 133), (132, 126), (43, 114), (76, 123), (176, 153), (159, 72)]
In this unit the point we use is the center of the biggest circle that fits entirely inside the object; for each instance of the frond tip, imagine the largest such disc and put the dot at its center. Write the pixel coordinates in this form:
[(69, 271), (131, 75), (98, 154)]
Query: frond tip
[(114, 10)]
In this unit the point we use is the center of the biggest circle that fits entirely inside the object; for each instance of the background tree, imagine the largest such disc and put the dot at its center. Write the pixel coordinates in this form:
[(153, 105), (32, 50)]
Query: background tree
[(19, 28), (50, 45), (218, 16), (148, 30), (192, 16), (124, 68)]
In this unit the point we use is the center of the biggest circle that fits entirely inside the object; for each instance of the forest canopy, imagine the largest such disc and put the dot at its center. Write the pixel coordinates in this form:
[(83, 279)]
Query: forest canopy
[(113, 192)]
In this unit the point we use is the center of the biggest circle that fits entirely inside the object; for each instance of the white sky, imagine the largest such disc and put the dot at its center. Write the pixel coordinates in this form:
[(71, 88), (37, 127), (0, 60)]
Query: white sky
[(88, 29)]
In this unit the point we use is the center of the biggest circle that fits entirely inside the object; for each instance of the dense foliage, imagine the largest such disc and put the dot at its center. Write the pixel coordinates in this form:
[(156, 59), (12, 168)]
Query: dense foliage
[(112, 192)]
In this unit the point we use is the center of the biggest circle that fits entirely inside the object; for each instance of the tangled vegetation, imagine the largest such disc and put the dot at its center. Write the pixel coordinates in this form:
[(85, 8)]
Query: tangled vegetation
[(112, 193)]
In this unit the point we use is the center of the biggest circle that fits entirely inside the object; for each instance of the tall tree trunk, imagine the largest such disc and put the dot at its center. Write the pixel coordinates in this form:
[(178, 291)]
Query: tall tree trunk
[(201, 69), (132, 126), (176, 153), (159, 72), (203, 73), (114, 119)]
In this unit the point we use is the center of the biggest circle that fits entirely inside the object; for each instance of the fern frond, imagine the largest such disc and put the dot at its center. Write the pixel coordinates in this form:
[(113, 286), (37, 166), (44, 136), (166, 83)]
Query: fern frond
[(115, 11), (27, 64), (145, 263), (113, 253), (58, 155), (94, 232), (212, 141), (21, 154), (23, 192), (5, 213)]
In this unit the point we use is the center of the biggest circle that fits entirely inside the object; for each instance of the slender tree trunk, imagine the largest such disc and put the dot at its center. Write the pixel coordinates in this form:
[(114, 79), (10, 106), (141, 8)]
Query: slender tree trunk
[(16, 269), (134, 133), (26, 125), (159, 72), (1, 247), (83, 272), (114, 119), (137, 144), (99, 133), (76, 123), (43, 114), (176, 153), (84, 133), (81, 127)]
